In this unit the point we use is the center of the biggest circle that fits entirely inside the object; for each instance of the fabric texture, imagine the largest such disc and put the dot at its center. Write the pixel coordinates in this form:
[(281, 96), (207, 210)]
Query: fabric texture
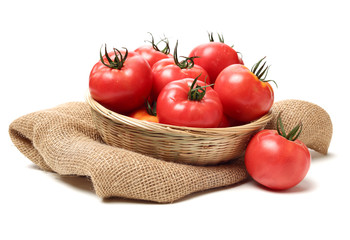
[(64, 140), (317, 128)]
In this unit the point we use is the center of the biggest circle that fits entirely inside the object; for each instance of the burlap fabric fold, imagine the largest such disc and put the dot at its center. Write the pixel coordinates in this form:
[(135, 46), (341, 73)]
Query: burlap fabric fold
[(317, 127), (64, 140)]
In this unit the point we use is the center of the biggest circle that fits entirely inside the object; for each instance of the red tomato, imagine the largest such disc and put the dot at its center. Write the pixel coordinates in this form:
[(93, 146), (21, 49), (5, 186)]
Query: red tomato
[(245, 96), (121, 82), (168, 70), (229, 122), (215, 56), (153, 54), (277, 161), (182, 103)]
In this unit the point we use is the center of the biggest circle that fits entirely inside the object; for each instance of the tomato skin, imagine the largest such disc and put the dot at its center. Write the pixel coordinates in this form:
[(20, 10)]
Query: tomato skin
[(121, 90), (151, 55), (142, 114), (166, 71), (174, 107), (229, 122), (243, 96), (276, 162), (214, 57)]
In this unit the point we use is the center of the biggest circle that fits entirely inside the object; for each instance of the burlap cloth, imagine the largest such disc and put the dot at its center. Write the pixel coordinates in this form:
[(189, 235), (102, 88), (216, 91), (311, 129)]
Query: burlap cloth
[(64, 140)]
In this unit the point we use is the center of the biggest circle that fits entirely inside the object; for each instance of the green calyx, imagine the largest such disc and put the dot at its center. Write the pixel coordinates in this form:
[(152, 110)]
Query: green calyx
[(165, 50), (293, 134), (211, 37), (220, 36), (197, 92), (261, 71), (187, 63), (151, 110), (117, 62), (221, 39)]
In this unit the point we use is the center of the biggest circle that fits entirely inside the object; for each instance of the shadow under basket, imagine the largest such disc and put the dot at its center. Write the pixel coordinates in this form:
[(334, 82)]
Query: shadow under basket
[(195, 146)]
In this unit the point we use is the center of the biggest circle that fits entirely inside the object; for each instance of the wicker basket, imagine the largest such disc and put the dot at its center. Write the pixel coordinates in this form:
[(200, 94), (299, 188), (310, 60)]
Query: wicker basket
[(196, 146)]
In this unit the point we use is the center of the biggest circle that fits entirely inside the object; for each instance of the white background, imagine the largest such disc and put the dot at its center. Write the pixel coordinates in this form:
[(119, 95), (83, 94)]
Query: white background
[(47, 51)]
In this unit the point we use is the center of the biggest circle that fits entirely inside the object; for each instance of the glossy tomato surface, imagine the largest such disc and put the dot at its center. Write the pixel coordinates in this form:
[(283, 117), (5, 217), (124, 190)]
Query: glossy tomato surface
[(276, 162), (166, 71), (151, 55), (214, 57), (244, 97), (175, 108), (121, 90)]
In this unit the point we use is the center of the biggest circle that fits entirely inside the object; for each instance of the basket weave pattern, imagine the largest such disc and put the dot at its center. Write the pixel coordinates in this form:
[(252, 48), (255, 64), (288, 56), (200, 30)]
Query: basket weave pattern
[(196, 146)]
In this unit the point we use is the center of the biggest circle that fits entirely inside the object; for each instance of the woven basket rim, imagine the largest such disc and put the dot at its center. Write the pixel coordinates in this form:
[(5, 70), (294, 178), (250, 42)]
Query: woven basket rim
[(172, 129)]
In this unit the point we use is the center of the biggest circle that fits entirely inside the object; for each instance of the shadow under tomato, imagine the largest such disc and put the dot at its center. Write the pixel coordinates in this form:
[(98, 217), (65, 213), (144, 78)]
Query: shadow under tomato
[(304, 186)]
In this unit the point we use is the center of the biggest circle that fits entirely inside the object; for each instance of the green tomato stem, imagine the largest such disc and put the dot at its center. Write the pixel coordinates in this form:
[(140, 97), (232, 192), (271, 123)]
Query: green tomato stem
[(261, 71), (117, 62), (187, 63), (165, 50), (293, 134), (197, 92)]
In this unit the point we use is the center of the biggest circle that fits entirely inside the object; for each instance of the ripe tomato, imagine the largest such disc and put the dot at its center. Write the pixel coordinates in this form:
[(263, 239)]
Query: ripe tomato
[(170, 69), (229, 122), (215, 56), (188, 102), (245, 95), (277, 160), (153, 54), (121, 81)]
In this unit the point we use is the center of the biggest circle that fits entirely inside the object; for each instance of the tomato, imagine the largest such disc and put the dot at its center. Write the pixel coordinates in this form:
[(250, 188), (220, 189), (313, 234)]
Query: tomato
[(143, 114), (245, 95), (170, 69), (153, 54), (188, 102), (215, 56), (121, 81), (277, 160), (147, 113), (229, 122), (240, 59)]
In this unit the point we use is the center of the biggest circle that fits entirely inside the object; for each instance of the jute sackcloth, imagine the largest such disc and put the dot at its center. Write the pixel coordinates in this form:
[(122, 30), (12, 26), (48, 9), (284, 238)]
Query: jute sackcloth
[(317, 128), (64, 140)]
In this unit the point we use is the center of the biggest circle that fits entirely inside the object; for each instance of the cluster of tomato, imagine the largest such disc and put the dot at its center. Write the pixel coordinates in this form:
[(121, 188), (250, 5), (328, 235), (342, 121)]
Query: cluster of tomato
[(209, 88)]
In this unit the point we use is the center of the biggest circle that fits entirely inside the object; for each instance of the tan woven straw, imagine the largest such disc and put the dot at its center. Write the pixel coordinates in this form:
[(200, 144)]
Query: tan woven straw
[(196, 146)]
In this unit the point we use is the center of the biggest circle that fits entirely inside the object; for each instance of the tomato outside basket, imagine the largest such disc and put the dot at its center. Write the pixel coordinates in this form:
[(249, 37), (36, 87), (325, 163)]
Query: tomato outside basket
[(196, 146)]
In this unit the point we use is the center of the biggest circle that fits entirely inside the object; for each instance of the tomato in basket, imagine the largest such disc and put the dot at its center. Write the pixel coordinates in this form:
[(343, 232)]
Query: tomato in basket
[(147, 113), (171, 69), (189, 102), (121, 81), (245, 95), (215, 56), (153, 54)]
